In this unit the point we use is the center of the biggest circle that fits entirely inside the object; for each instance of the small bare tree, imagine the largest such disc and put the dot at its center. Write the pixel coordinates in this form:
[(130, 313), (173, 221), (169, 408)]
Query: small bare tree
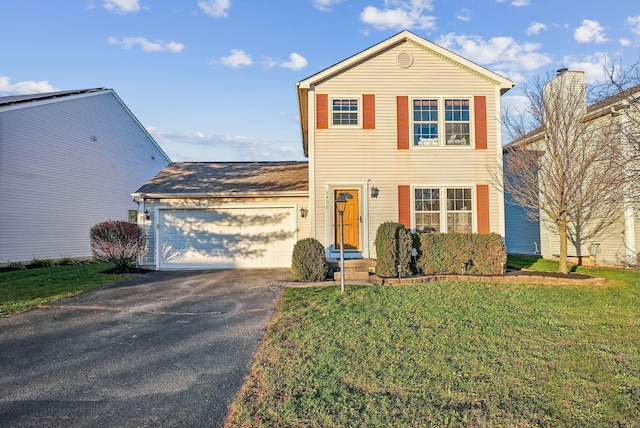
[(560, 165), (622, 88)]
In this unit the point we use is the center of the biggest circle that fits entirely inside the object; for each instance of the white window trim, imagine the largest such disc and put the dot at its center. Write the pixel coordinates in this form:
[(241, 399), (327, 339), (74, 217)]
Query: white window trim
[(441, 123), (345, 97), (443, 203)]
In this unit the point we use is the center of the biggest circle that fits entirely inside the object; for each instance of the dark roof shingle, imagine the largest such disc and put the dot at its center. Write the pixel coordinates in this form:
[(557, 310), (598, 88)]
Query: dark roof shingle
[(228, 178)]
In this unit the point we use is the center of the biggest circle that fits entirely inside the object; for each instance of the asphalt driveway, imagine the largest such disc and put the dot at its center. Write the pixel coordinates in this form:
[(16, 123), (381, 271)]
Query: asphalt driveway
[(161, 350)]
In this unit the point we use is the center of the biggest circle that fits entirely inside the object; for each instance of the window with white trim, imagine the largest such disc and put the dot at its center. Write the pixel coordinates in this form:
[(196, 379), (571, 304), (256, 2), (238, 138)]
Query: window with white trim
[(459, 214), (456, 122), (425, 122), (430, 215), (427, 210), (344, 111), (431, 116)]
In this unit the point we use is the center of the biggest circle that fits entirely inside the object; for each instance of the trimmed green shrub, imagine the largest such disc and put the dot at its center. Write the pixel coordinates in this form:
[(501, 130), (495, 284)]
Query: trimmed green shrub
[(16, 266), (40, 263), (67, 261), (118, 242), (462, 253), (309, 261), (393, 250)]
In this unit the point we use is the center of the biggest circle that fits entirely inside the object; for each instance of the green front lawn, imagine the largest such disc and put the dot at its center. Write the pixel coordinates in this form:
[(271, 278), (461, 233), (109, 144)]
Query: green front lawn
[(450, 354), (26, 289)]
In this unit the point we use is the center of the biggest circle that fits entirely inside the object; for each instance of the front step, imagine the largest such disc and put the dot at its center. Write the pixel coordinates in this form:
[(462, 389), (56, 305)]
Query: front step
[(354, 269)]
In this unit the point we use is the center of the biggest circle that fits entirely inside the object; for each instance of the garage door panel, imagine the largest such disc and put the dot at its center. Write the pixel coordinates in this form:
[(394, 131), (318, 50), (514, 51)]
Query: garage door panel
[(231, 237)]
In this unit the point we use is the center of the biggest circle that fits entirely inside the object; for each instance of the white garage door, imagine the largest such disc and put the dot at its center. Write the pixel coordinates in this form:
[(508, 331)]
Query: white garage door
[(226, 238)]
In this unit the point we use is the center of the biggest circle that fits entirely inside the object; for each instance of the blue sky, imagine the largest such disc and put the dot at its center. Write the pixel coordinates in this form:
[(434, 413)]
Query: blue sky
[(214, 80)]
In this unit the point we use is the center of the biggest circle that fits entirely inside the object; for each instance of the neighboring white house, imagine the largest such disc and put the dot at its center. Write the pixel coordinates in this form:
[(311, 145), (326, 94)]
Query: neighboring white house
[(68, 160)]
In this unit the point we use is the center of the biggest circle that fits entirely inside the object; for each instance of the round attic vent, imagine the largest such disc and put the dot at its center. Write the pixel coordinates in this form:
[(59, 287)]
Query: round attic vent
[(405, 59)]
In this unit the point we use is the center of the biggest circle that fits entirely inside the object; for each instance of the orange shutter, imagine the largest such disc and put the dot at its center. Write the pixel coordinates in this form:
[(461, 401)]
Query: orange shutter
[(322, 111), (482, 195), (368, 111), (480, 108), (404, 206), (402, 104)]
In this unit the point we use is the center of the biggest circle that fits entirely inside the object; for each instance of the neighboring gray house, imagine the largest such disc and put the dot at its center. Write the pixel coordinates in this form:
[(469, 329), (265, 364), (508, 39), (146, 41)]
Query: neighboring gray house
[(68, 160)]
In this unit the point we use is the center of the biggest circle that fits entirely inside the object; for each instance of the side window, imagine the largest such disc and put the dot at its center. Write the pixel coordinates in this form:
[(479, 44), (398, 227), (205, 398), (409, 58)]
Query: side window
[(344, 111), (425, 122), (457, 122)]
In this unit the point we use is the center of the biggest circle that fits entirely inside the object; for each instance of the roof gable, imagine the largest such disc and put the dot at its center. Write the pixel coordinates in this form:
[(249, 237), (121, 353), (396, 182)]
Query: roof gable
[(197, 179), (405, 36)]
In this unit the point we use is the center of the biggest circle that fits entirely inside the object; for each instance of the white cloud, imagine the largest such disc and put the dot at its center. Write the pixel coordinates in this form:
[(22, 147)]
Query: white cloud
[(325, 5), (590, 32), (26, 87), (237, 58), (592, 65), (535, 28), (519, 3), (296, 62), (399, 15), (121, 6), (625, 42), (502, 54), (464, 15), (215, 8), (146, 45), (634, 22), (194, 146)]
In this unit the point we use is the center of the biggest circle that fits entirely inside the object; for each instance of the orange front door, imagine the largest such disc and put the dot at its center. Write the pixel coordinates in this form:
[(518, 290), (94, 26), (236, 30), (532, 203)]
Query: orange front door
[(351, 221)]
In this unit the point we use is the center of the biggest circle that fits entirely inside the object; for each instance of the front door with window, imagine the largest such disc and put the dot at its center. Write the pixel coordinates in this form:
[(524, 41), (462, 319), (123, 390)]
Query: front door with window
[(351, 221)]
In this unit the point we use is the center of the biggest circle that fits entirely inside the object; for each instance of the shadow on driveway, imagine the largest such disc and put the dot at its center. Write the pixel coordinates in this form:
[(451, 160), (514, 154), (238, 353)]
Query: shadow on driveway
[(163, 349)]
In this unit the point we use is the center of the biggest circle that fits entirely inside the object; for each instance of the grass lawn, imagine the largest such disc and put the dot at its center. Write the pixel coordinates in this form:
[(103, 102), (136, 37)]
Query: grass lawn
[(26, 289), (450, 354)]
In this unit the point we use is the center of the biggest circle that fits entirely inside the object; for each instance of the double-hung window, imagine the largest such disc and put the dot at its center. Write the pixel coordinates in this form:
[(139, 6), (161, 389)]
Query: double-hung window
[(427, 210), (456, 122), (454, 215), (441, 121), (344, 111), (425, 122), (459, 210)]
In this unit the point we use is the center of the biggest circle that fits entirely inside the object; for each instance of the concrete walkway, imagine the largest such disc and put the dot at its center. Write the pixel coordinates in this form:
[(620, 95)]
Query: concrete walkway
[(167, 349)]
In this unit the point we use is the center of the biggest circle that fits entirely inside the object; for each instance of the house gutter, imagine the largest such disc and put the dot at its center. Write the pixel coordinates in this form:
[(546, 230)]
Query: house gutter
[(219, 195)]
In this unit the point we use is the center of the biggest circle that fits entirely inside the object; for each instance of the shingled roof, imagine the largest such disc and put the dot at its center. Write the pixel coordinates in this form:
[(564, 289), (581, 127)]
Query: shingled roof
[(197, 179), (19, 99)]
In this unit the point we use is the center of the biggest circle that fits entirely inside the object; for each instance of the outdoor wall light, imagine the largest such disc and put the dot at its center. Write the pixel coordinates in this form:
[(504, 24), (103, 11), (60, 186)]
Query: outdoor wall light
[(375, 192), (147, 215), (303, 212)]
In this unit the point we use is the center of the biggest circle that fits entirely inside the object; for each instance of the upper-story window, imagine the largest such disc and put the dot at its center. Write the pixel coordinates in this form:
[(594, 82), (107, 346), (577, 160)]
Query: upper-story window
[(456, 122), (344, 111), (425, 122), (432, 115)]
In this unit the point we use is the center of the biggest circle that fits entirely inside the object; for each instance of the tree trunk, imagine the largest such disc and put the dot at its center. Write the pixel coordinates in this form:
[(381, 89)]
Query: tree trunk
[(562, 233)]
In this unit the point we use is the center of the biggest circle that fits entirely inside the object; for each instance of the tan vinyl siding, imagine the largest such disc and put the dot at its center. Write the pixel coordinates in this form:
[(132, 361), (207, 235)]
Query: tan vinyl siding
[(354, 156), (152, 205), (611, 250)]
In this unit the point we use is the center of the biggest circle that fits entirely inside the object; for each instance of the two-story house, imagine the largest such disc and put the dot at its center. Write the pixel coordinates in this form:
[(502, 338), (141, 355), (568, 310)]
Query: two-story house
[(411, 131)]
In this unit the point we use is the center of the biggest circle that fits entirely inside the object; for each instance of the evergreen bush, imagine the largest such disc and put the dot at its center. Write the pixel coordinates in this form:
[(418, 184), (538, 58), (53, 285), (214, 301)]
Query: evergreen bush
[(393, 250), (309, 261), (462, 253)]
